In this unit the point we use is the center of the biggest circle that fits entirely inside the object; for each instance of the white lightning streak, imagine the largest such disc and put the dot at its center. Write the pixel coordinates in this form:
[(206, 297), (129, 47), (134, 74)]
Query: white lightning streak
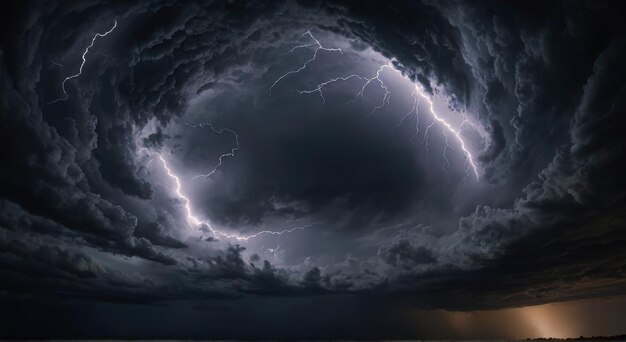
[(199, 222), (323, 84), (317, 49), (414, 109), (427, 134), (449, 128), (368, 81), (224, 155), (382, 85), (446, 127), (80, 70)]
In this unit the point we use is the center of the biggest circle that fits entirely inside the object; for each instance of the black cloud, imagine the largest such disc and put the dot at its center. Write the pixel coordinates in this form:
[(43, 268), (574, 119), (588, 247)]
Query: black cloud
[(84, 211)]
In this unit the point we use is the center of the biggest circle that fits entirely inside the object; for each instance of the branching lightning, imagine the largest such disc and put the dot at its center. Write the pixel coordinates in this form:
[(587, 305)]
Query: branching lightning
[(191, 218), (449, 128), (367, 82), (195, 221), (414, 109), (417, 94), (321, 86), (80, 70), (382, 84), (306, 63), (224, 155)]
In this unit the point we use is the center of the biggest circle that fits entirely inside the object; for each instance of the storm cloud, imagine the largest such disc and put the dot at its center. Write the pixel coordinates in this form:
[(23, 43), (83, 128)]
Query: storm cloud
[(389, 208)]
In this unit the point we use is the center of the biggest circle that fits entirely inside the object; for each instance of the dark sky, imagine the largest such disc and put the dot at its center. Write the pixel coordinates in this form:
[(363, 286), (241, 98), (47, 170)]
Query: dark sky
[(312, 169)]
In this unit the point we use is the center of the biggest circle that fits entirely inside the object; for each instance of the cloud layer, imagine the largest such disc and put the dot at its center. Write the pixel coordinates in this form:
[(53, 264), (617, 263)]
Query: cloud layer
[(86, 211)]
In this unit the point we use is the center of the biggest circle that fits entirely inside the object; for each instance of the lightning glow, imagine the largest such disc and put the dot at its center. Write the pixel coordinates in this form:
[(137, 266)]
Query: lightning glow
[(449, 128), (195, 221), (273, 250), (191, 218), (80, 70), (417, 94)]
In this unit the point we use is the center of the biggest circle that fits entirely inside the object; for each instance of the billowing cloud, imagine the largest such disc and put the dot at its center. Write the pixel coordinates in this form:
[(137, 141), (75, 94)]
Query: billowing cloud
[(535, 90)]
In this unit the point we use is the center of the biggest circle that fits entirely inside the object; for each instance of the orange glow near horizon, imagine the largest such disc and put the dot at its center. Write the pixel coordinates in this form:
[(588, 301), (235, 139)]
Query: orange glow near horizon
[(548, 320), (605, 316)]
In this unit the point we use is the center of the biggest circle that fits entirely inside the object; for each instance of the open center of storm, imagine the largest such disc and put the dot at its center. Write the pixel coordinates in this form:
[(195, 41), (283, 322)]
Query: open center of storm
[(330, 136)]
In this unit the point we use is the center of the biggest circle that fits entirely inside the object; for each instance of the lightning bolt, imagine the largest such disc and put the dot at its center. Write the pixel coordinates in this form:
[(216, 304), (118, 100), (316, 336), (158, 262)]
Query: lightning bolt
[(195, 221), (191, 218), (414, 109), (224, 155), (306, 63), (367, 82), (84, 57), (320, 87), (417, 94), (447, 127), (382, 85)]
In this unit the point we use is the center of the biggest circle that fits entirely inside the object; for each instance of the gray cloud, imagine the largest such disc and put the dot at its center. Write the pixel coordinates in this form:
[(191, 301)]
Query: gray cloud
[(81, 209)]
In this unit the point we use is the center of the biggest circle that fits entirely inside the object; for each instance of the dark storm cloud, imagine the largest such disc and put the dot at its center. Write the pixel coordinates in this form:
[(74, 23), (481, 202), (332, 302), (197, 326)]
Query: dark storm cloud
[(63, 151), (575, 192), (155, 140), (569, 222), (403, 254), (547, 81), (154, 232), (528, 69)]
